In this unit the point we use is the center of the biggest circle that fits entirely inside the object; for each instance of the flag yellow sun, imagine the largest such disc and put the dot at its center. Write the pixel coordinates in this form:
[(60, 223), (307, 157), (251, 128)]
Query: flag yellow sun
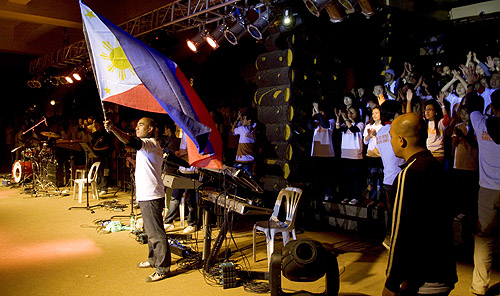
[(118, 60)]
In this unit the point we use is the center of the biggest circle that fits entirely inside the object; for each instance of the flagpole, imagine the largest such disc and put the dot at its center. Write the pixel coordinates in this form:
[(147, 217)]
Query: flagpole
[(89, 50)]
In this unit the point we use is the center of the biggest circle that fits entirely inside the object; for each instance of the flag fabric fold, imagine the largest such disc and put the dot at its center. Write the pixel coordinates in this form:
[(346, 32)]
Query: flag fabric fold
[(130, 73)]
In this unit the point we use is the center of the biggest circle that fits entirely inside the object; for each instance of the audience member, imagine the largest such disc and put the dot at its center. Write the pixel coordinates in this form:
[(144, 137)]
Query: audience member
[(415, 266), (488, 131), (322, 153), (388, 112), (352, 154), (374, 162), (244, 126), (177, 195)]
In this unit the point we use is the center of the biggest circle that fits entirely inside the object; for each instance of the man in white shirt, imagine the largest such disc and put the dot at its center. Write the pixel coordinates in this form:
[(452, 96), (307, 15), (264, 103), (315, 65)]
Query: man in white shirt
[(150, 193), (389, 111), (391, 84), (494, 85), (245, 126), (488, 138)]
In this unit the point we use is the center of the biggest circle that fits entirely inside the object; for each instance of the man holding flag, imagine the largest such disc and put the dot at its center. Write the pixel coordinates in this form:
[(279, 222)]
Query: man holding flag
[(150, 193), (131, 74)]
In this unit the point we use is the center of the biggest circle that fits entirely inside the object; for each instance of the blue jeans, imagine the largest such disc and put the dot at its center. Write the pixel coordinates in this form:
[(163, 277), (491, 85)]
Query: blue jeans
[(174, 206), (158, 247), (488, 227)]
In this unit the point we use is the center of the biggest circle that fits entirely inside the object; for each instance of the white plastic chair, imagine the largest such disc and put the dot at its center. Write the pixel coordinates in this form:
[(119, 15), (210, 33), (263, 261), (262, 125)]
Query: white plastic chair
[(273, 226), (92, 179)]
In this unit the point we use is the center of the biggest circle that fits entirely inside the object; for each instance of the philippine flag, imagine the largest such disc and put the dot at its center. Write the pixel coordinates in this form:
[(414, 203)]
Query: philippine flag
[(130, 73)]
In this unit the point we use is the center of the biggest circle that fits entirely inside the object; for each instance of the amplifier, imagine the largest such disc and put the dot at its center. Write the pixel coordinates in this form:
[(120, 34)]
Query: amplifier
[(57, 173)]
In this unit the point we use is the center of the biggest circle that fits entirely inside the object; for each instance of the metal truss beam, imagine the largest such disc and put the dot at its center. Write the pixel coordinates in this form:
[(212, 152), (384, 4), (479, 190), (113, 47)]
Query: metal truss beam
[(174, 17)]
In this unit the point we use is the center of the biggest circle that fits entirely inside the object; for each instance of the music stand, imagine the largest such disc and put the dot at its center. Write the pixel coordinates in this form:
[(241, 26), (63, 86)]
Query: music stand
[(132, 191), (88, 154)]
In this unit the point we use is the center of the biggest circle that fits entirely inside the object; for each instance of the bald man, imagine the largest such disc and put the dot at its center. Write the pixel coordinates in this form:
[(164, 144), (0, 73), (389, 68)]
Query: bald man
[(421, 260), (149, 193)]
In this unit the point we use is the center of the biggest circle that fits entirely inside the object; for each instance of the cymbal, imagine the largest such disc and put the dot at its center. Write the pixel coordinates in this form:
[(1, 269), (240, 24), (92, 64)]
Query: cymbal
[(50, 134)]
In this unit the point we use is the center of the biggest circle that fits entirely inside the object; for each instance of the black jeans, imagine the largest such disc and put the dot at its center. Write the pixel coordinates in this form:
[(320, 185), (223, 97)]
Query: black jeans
[(158, 247)]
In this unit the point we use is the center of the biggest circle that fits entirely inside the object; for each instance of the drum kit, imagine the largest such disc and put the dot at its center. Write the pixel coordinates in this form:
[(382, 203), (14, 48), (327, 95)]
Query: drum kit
[(33, 166)]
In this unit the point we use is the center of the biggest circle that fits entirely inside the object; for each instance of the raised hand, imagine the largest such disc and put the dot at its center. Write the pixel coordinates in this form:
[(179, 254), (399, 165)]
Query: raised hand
[(409, 95), (490, 63)]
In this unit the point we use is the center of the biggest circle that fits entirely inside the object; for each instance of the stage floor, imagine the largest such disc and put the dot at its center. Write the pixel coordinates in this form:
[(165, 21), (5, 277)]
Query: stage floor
[(47, 249)]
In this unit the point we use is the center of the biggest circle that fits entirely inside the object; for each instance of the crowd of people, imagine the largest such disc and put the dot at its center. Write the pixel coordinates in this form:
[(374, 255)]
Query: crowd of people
[(349, 137), (424, 145), (454, 113)]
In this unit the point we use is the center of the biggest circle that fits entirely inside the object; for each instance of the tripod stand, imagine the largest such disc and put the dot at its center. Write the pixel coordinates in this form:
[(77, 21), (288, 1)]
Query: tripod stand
[(88, 154)]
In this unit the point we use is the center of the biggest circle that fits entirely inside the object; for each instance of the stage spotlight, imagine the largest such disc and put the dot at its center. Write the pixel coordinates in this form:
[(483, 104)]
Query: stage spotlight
[(62, 80), (236, 31), (304, 261), (260, 25), (195, 42), (366, 8), (334, 12), (215, 38), (79, 73), (34, 84), (68, 79), (316, 6), (349, 5), (54, 80), (288, 18)]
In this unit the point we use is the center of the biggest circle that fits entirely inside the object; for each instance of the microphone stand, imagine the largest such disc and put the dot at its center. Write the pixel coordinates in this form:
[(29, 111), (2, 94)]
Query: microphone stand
[(132, 191), (88, 207)]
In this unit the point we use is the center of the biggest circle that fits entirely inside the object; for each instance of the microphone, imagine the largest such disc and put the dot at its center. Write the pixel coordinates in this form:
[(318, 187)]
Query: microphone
[(45, 120)]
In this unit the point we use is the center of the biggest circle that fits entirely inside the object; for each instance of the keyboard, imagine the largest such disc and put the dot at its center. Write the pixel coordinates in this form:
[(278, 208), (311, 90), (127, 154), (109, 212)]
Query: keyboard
[(233, 203)]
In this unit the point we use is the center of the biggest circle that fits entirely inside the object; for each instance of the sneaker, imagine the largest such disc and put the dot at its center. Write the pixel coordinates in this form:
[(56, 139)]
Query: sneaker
[(168, 227), (354, 202), (189, 229), (475, 292), (387, 242), (345, 200), (144, 264), (155, 276)]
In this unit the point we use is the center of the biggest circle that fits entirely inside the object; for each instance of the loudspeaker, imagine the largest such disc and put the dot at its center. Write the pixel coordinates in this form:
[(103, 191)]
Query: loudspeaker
[(57, 173)]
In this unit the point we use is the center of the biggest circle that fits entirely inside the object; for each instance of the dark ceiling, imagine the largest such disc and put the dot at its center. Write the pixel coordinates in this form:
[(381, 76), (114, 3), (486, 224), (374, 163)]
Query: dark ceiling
[(33, 28)]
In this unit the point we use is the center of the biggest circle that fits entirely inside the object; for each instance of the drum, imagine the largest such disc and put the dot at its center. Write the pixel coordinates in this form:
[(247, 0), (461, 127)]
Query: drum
[(29, 152), (21, 170)]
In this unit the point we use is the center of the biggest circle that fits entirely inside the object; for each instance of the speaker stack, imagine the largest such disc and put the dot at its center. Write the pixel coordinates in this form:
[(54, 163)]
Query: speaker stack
[(289, 80)]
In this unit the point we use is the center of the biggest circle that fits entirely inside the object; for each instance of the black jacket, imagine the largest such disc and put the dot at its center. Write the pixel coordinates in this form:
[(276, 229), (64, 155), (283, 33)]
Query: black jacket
[(422, 234)]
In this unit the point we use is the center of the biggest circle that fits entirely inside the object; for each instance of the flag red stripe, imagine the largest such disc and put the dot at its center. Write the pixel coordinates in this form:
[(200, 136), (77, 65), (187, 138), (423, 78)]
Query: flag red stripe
[(137, 97)]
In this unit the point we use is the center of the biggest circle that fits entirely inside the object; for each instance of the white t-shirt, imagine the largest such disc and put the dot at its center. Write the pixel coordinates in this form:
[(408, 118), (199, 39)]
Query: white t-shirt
[(453, 99), (372, 150), (352, 143), (392, 88), (435, 142), (322, 145), (390, 161), (244, 152), (148, 182), (487, 97), (489, 151)]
